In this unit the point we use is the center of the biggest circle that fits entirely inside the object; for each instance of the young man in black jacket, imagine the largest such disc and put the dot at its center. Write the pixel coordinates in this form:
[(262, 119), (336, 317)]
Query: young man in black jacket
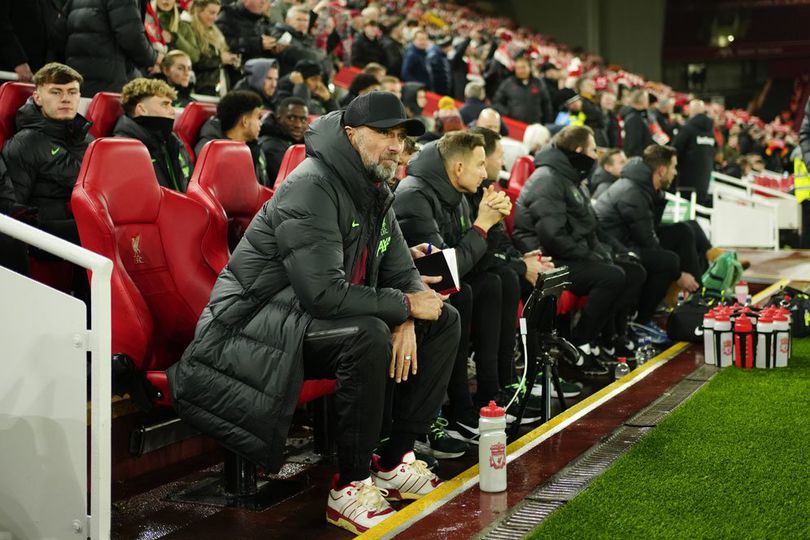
[(628, 212), (554, 214), (149, 118), (431, 208), (280, 131), (322, 285), (45, 155)]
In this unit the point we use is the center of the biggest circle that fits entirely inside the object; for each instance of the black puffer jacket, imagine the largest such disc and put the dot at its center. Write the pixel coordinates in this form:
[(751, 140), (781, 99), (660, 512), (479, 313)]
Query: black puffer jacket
[(554, 214), (528, 102), (240, 378), (212, 130), (627, 209), (169, 156), (243, 30), (696, 146), (43, 160), (274, 142), (107, 43), (637, 134), (429, 209), (600, 181)]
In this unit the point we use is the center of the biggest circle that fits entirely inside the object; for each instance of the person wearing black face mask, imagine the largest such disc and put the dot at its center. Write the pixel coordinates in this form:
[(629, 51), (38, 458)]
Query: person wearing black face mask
[(149, 118), (554, 214)]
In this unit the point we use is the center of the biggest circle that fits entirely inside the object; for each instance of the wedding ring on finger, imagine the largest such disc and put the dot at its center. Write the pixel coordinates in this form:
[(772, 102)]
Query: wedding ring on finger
[(408, 357)]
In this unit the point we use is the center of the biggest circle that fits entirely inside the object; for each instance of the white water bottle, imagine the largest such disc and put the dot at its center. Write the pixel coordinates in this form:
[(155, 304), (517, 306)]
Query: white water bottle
[(492, 449), (708, 338), (741, 292), (764, 354), (621, 368), (724, 340), (781, 338)]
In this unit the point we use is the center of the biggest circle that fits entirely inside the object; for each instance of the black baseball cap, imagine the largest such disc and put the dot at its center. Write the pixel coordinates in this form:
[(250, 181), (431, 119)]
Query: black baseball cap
[(381, 110)]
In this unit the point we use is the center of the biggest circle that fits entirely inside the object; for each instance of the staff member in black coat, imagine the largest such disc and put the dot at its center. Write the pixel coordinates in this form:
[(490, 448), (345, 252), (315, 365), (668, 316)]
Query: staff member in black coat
[(106, 43), (431, 208), (554, 214), (695, 143), (637, 135), (524, 97), (323, 285), (149, 118), (45, 155), (627, 211)]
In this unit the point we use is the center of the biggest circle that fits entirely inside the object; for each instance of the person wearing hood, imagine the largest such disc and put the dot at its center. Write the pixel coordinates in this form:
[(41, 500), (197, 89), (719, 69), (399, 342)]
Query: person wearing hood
[(323, 285), (414, 65), (238, 118), (280, 131), (431, 208), (695, 143), (610, 167), (414, 98), (149, 118), (524, 97), (45, 155), (175, 70), (261, 76), (628, 211), (637, 135), (554, 215)]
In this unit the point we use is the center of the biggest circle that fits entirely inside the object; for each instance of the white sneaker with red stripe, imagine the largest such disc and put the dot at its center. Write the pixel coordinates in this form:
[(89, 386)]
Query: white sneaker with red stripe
[(411, 479), (358, 506)]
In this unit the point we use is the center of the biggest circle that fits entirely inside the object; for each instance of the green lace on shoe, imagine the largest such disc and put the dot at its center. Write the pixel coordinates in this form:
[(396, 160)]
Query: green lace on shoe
[(439, 428)]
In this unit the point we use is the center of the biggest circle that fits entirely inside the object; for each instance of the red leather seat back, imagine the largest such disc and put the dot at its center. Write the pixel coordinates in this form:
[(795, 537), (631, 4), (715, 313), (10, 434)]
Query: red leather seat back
[(104, 111), (293, 157), (162, 245), (188, 124), (12, 96), (224, 181), (522, 169)]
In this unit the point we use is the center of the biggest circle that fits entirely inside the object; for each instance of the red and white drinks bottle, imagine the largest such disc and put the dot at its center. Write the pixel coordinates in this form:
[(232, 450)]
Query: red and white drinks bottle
[(492, 449), (723, 340), (741, 292), (781, 337), (708, 337), (764, 356), (743, 343)]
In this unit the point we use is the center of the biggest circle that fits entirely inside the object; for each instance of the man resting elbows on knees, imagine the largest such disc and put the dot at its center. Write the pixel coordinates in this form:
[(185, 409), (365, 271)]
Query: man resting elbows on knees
[(322, 285)]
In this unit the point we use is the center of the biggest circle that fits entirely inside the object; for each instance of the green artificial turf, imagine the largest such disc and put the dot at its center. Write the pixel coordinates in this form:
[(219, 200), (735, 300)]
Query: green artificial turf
[(733, 461)]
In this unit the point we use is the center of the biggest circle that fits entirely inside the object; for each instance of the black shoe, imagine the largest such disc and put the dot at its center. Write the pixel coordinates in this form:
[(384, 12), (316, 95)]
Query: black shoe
[(464, 429), (605, 355), (591, 366)]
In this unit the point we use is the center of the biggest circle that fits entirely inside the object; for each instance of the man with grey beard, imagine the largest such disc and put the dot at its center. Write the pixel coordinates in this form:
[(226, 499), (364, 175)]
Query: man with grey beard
[(323, 286)]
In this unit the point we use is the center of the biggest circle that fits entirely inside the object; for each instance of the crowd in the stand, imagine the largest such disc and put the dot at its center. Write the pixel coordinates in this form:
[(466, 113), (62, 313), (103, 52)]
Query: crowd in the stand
[(324, 284)]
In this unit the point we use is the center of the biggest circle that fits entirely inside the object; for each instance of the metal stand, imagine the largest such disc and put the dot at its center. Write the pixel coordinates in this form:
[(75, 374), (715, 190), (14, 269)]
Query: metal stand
[(543, 345)]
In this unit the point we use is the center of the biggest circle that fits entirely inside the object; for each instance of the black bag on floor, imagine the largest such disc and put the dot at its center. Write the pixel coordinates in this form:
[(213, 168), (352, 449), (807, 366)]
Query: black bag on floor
[(685, 323), (798, 303)]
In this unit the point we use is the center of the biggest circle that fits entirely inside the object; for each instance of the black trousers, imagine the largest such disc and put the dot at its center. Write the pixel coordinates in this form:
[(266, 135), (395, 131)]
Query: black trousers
[(357, 352), (689, 242), (510, 301), (662, 267)]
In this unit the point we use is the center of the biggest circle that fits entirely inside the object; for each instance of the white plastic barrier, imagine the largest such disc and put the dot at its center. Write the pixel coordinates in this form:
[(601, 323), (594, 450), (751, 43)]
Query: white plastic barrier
[(789, 212), (43, 400), (740, 220)]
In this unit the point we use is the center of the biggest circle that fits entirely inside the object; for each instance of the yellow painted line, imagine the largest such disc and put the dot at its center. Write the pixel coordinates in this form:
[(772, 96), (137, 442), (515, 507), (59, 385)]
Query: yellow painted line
[(451, 488)]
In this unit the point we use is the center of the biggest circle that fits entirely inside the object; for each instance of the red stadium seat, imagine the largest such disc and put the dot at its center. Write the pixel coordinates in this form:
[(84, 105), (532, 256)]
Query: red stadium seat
[(294, 155), (570, 302), (190, 122), (12, 96), (104, 111), (224, 182), (521, 171), (165, 253)]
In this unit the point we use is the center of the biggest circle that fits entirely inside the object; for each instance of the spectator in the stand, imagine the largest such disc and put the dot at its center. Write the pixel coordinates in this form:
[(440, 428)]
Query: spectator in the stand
[(474, 102), (637, 135), (175, 70), (571, 113), (696, 144), (107, 44), (169, 14), (367, 46), (627, 211), (441, 73), (393, 44), (524, 97), (414, 97), (323, 286), (489, 118), (391, 84), (247, 30), (551, 75), (362, 84), (610, 167), (205, 44), (238, 118), (594, 117), (554, 214), (27, 35), (149, 118), (460, 65), (278, 10), (445, 120), (306, 82), (261, 76), (607, 102), (281, 130), (431, 208), (414, 65), (302, 45), (45, 155), (535, 137), (662, 113), (375, 69)]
